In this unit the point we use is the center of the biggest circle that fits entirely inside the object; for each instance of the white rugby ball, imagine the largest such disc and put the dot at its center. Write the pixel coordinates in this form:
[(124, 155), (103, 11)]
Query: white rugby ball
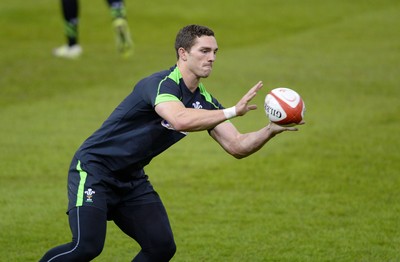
[(284, 106)]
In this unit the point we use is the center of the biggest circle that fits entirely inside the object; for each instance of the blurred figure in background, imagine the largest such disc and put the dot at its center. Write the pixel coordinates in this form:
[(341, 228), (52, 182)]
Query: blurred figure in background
[(72, 50)]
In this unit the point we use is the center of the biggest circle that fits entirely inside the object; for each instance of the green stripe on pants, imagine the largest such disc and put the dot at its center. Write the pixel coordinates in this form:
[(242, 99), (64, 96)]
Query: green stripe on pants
[(81, 188)]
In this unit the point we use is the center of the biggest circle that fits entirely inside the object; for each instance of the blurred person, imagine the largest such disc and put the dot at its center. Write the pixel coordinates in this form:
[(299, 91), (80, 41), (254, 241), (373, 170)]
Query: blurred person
[(106, 179), (72, 49)]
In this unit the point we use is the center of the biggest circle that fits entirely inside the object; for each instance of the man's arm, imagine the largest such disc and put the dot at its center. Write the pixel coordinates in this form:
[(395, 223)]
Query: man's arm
[(224, 132), (242, 145), (190, 119)]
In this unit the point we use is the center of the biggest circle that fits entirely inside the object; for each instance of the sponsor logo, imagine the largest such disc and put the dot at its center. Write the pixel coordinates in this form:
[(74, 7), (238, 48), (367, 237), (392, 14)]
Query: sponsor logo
[(273, 112), (167, 125)]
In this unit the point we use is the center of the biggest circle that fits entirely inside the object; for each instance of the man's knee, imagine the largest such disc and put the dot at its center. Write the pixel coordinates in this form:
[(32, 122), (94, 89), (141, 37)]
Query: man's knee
[(89, 230), (167, 252), (161, 252), (165, 249), (89, 250)]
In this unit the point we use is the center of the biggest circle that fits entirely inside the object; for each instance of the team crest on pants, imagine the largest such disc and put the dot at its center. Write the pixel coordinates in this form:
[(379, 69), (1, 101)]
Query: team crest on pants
[(89, 195)]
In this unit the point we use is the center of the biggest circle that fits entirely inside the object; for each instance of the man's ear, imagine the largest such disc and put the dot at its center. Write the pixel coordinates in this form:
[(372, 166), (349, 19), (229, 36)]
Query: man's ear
[(182, 53)]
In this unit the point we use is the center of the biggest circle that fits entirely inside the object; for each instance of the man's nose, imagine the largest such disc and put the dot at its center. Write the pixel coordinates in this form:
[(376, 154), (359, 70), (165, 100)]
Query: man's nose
[(212, 57)]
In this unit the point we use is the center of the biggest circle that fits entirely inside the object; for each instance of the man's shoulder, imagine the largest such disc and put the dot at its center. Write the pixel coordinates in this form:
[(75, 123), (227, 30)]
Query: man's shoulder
[(162, 73), (156, 78)]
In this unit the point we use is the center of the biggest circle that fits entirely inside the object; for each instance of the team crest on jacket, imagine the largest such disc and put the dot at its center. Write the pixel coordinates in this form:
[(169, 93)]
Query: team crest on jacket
[(197, 105)]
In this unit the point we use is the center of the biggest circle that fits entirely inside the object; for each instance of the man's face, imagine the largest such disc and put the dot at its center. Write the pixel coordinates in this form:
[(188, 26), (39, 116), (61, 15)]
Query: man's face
[(202, 55)]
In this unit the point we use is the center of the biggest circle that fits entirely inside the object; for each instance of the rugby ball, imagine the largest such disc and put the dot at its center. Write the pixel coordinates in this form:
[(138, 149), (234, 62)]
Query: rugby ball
[(284, 106)]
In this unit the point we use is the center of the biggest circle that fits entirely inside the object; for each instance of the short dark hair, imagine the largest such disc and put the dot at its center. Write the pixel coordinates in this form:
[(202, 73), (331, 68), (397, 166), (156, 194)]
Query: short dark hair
[(186, 37)]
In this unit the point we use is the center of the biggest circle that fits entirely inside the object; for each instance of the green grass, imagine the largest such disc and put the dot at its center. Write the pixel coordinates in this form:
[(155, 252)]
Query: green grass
[(329, 192)]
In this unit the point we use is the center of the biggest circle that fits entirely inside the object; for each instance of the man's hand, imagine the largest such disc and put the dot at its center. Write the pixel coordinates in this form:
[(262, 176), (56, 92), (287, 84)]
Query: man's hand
[(242, 107), (277, 129)]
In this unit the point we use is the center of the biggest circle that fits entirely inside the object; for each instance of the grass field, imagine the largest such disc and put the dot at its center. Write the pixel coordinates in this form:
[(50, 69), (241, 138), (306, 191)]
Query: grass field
[(329, 192)]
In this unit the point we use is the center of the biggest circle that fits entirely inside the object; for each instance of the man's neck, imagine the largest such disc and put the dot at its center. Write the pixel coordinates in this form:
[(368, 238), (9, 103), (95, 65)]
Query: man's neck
[(191, 81)]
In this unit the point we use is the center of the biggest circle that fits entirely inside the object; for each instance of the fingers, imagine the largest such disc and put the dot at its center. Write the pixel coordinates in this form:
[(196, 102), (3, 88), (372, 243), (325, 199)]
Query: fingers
[(255, 88), (252, 107), (276, 129), (258, 86), (253, 91), (242, 107), (291, 129)]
